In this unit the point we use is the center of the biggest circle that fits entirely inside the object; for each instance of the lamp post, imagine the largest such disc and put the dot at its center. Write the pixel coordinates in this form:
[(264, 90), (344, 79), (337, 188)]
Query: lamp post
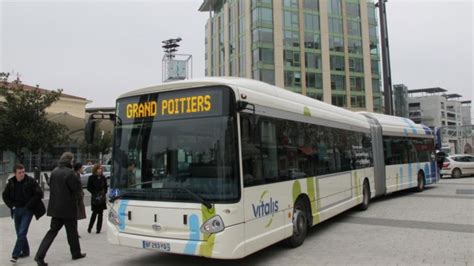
[(387, 75)]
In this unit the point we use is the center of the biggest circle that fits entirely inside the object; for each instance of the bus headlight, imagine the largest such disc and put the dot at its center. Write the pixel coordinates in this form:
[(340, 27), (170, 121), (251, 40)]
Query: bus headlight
[(113, 217), (213, 225)]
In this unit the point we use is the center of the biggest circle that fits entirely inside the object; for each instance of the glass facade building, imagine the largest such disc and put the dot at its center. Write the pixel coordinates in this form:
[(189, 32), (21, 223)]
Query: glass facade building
[(325, 49)]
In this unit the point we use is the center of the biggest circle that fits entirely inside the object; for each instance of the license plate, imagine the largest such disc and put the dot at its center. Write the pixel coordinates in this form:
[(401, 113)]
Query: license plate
[(156, 245)]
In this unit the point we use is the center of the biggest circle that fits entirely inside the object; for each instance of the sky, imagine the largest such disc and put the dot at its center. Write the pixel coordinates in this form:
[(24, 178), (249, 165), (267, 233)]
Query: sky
[(101, 49)]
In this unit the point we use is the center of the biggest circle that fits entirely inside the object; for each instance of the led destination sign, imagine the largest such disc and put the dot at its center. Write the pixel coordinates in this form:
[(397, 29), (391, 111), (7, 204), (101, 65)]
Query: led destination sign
[(176, 104)]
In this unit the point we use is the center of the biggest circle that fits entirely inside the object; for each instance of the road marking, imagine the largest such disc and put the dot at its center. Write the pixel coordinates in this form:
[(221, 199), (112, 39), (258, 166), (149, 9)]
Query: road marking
[(442, 196), (461, 228), (465, 191)]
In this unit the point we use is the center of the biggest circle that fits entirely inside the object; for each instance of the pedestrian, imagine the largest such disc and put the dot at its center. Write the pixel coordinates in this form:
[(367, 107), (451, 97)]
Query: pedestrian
[(62, 207), (97, 186), (23, 196), (81, 209)]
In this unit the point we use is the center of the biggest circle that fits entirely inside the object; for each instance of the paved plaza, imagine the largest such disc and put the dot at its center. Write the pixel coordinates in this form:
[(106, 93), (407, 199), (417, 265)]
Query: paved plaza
[(432, 227)]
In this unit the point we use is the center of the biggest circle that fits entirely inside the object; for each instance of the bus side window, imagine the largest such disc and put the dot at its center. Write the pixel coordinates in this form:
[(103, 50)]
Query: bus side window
[(251, 157)]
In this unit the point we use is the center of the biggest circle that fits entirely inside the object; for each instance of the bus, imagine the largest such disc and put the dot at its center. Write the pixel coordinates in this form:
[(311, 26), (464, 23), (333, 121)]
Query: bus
[(224, 167)]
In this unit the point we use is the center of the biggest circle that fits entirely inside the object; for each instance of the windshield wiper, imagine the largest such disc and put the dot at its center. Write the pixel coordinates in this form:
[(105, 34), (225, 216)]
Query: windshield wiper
[(194, 195)]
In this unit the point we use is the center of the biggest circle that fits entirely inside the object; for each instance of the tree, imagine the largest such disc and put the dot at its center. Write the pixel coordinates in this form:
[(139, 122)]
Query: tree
[(23, 122)]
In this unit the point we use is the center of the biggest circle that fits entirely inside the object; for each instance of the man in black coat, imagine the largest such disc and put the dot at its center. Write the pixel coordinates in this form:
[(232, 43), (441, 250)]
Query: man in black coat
[(23, 196), (64, 186)]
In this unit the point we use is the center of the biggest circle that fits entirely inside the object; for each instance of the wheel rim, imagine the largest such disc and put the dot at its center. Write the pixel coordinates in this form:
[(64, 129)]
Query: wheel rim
[(298, 222)]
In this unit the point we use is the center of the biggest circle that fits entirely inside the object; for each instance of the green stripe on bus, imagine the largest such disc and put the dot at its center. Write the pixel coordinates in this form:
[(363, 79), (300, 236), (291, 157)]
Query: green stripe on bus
[(312, 199), (296, 190), (208, 244), (306, 111)]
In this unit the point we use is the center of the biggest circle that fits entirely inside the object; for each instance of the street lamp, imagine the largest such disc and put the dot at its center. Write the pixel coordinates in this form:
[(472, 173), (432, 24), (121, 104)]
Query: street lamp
[(170, 47)]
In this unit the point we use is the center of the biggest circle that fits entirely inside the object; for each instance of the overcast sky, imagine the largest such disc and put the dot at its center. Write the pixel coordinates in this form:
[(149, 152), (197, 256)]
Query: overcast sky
[(101, 49)]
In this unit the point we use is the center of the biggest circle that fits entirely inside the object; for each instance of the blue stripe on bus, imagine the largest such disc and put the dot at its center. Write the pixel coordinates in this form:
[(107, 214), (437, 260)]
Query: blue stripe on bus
[(122, 213), (410, 172), (427, 173), (401, 176), (190, 248)]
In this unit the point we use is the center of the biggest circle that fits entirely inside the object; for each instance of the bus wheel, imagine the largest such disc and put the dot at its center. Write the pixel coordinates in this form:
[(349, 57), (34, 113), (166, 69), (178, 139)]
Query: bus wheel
[(300, 225), (365, 197), (421, 182)]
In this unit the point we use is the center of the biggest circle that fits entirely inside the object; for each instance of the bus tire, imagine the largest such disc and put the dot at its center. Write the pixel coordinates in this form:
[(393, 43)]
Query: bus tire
[(300, 225), (456, 173), (365, 196), (421, 182)]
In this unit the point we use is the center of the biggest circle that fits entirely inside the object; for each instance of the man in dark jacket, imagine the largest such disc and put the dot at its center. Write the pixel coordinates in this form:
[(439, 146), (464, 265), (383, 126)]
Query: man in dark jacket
[(62, 207), (23, 196)]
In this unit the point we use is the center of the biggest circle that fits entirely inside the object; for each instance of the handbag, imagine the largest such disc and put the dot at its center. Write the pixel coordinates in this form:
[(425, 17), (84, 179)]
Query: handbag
[(98, 199)]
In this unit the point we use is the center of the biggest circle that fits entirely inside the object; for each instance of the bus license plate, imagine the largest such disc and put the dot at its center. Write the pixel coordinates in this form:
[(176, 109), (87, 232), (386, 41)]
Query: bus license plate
[(156, 245)]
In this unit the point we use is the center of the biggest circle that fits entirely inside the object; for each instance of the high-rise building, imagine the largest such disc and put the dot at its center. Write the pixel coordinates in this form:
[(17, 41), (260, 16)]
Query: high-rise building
[(400, 95), (325, 49)]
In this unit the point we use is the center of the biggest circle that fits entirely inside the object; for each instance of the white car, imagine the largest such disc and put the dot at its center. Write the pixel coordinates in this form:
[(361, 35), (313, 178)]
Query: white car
[(458, 165), (88, 172)]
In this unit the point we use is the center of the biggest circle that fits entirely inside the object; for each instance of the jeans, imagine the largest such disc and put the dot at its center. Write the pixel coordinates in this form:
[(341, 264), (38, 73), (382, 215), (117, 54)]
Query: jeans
[(22, 218)]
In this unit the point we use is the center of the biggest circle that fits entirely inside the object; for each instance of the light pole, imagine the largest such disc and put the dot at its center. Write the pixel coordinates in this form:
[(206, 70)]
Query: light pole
[(387, 75)]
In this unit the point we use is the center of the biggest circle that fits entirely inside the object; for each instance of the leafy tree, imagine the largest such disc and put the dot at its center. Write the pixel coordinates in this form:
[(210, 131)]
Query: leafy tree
[(23, 122)]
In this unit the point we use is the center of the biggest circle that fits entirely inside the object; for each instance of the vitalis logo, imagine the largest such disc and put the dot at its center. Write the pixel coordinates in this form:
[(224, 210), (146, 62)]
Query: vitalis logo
[(264, 208)]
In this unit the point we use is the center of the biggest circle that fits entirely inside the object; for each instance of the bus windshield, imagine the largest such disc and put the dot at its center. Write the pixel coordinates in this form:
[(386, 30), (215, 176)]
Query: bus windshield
[(172, 159)]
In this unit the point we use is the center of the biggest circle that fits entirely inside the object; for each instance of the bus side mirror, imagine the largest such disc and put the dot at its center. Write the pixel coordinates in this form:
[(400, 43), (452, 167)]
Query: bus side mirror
[(89, 131)]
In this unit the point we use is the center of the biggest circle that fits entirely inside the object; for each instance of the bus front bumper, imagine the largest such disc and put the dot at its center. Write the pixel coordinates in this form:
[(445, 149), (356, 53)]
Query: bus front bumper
[(227, 244)]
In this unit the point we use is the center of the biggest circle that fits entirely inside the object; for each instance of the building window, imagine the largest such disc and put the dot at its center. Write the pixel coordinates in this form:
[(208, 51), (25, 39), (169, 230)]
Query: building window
[(357, 83), (292, 79), (353, 28), (339, 100), (376, 85), (265, 75), (312, 60), (291, 39), (290, 20), (335, 26), (311, 40), (290, 3), (375, 67), (354, 46), (291, 58), (314, 80), (311, 22), (335, 7), (263, 55), (338, 82), (414, 105), (353, 10), (356, 65), (336, 44), (311, 5), (263, 36), (337, 63), (358, 101), (262, 15)]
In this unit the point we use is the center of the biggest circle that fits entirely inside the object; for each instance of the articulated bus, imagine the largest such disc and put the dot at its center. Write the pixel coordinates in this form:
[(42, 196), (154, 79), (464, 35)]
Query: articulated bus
[(224, 167)]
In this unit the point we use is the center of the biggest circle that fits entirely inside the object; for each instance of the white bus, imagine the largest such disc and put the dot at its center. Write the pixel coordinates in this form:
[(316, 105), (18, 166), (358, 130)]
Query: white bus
[(224, 167)]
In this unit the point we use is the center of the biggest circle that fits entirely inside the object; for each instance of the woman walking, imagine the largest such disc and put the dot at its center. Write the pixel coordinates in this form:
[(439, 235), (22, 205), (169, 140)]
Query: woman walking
[(97, 186)]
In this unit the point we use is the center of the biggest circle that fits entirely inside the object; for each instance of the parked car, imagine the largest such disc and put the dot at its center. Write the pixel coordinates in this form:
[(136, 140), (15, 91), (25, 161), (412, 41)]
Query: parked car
[(458, 165), (88, 172)]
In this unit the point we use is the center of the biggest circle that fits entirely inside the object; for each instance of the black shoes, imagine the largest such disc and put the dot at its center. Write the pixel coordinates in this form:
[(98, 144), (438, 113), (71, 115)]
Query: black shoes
[(80, 256), (41, 262), (89, 230), (14, 259)]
